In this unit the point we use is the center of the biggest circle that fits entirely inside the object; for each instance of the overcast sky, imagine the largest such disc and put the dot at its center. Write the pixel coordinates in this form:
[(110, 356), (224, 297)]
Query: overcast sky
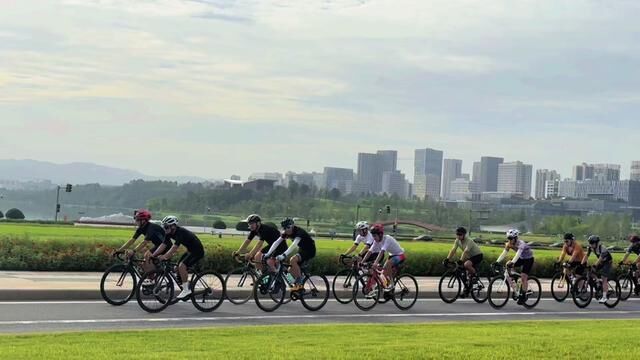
[(213, 88)]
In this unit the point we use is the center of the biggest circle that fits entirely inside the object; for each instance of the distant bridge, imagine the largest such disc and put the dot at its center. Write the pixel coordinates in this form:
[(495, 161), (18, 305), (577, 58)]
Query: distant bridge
[(429, 227)]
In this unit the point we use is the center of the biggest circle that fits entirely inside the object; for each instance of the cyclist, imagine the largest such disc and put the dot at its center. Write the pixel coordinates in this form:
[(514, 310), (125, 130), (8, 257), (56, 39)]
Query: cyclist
[(572, 248), (306, 250), (385, 243), (471, 254), (364, 236), (264, 233), (634, 247), (523, 257), (603, 265), (195, 251), (153, 233)]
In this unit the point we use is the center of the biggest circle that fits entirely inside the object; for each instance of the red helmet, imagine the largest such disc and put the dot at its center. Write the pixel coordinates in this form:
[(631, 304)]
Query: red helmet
[(142, 214), (377, 229), (634, 238)]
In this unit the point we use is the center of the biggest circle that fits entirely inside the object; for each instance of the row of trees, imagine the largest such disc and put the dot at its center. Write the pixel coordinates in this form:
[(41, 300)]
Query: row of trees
[(12, 214), (607, 226)]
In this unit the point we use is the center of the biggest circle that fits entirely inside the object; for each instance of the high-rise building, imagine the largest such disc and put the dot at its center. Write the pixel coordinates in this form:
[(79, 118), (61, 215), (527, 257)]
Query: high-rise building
[(451, 170), (606, 172), (395, 183), (277, 177), (583, 171), (542, 176), (427, 173), (300, 178), (369, 173), (551, 188), (388, 160), (477, 169), (594, 189), (338, 178), (635, 171), (489, 173), (515, 178), (463, 189)]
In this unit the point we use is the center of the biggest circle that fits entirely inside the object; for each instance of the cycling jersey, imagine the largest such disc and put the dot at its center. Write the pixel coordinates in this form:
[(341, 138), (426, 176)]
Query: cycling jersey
[(467, 245), (368, 239), (154, 233), (634, 248), (527, 253), (306, 241), (190, 241), (388, 244), (265, 233), (575, 249), (602, 253)]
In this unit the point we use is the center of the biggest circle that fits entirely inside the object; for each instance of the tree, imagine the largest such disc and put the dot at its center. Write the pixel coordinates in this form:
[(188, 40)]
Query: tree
[(242, 226), (14, 214), (1, 215), (219, 224)]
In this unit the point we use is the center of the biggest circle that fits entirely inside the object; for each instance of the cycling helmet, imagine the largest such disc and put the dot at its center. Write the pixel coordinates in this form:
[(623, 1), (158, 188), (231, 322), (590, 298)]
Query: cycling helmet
[(287, 223), (634, 238), (594, 239), (362, 225), (377, 229), (513, 234), (142, 214), (169, 220), (569, 236), (461, 230), (253, 218)]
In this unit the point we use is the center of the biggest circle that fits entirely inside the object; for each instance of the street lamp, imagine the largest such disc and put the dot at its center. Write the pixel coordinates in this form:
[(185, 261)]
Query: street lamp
[(207, 210), (68, 189)]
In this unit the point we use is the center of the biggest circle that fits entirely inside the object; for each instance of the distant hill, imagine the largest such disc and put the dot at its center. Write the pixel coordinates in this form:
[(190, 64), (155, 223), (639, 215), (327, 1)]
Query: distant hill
[(76, 173)]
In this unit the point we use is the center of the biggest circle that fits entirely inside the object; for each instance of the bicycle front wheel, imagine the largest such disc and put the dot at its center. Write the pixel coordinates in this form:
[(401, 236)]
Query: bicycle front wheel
[(613, 294), (499, 292), (405, 292), (559, 287), (366, 292), (533, 293), (342, 286), (155, 291), (269, 292), (449, 287), (239, 286), (208, 291), (626, 287), (480, 290), (118, 284), (582, 292), (315, 293)]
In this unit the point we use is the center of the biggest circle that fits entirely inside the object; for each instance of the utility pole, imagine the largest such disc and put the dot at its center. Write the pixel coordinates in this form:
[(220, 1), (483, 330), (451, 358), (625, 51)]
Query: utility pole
[(57, 204)]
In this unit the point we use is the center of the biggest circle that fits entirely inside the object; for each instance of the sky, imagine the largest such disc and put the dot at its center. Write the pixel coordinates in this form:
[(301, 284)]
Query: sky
[(212, 88)]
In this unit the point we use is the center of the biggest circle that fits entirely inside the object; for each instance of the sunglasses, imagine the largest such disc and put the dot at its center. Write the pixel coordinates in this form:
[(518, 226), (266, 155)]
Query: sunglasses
[(511, 238), (167, 227), (459, 234)]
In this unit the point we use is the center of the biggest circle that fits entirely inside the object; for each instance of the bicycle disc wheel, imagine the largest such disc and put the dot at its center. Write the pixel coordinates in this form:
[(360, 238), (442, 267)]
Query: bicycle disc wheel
[(155, 295), (613, 294), (480, 290), (449, 287), (626, 287), (208, 291), (534, 292), (315, 293), (269, 292), (582, 293), (559, 287), (499, 292), (366, 292), (239, 285), (118, 284), (405, 292), (342, 286)]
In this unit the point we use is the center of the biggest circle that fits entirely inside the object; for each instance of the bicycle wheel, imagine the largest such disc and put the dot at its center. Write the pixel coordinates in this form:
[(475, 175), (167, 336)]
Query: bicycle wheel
[(480, 290), (155, 294), (342, 286), (315, 293), (208, 291), (118, 284), (239, 285), (449, 287), (405, 292), (559, 287), (534, 292), (626, 287), (269, 292), (499, 292), (613, 294), (582, 292), (366, 292)]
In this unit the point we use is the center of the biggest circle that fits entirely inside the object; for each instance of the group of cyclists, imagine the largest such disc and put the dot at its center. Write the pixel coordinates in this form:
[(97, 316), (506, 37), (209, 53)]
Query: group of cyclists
[(381, 251)]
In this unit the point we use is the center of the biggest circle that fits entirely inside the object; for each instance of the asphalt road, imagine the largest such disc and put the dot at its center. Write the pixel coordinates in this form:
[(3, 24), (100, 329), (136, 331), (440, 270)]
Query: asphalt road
[(46, 316)]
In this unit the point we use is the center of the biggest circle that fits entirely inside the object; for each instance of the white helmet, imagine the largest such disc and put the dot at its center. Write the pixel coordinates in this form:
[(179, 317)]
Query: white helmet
[(513, 233), (169, 220), (362, 225)]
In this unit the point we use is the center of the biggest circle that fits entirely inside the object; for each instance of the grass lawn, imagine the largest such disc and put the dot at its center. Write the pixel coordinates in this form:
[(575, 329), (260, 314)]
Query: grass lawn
[(612, 339)]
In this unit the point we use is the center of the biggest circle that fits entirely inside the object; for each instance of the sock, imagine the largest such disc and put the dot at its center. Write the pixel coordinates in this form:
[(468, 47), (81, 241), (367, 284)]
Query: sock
[(186, 285)]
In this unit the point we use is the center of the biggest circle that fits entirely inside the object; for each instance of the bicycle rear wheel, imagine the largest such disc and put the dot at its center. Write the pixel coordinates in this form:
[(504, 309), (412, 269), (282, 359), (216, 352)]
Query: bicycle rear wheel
[(449, 287), (118, 284), (208, 291), (499, 292), (480, 290), (155, 295), (613, 294), (342, 286), (534, 292), (366, 292), (582, 292), (239, 286), (626, 287), (315, 293), (269, 292), (405, 292), (560, 287)]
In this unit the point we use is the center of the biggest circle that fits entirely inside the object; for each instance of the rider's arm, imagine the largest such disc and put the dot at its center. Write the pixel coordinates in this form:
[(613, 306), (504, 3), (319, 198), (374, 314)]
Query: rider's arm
[(563, 253), (256, 248), (518, 254), (244, 246), (503, 255), (453, 250), (159, 250), (171, 252), (293, 246), (127, 244), (379, 257), (351, 249), (274, 246), (365, 250), (141, 245)]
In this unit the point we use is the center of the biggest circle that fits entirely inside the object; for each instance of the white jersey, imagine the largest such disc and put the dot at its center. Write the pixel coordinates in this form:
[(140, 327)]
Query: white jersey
[(368, 240), (388, 244)]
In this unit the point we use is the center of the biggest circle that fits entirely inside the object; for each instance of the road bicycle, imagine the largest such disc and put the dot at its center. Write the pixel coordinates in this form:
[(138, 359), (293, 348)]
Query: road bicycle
[(454, 284), (591, 284), (372, 288), (508, 283)]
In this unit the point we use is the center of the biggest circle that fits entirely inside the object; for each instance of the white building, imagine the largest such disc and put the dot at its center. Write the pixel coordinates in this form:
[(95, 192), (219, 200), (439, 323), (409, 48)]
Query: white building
[(515, 178)]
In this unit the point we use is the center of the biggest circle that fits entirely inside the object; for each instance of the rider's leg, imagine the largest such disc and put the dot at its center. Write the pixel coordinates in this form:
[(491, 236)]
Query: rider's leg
[(258, 261), (388, 272), (295, 267)]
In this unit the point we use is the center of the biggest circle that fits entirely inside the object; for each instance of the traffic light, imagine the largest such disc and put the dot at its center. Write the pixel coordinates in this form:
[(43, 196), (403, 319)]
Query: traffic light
[(388, 209), (68, 188), (395, 228), (308, 222), (57, 208)]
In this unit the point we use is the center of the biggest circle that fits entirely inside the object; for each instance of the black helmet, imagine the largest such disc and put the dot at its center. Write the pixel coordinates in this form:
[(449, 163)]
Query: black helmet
[(287, 223), (594, 239), (569, 236), (253, 218), (461, 230)]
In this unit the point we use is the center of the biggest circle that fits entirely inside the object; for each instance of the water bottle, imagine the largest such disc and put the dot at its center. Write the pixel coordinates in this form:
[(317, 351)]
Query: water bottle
[(290, 278)]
